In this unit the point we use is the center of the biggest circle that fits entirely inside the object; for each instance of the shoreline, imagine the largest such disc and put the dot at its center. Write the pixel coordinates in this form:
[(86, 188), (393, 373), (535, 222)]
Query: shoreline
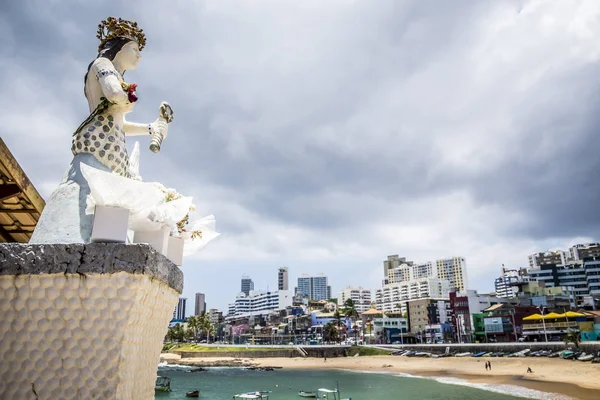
[(575, 379)]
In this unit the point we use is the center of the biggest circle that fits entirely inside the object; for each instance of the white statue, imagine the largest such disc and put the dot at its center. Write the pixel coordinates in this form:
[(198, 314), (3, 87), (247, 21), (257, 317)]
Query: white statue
[(101, 172), (109, 97)]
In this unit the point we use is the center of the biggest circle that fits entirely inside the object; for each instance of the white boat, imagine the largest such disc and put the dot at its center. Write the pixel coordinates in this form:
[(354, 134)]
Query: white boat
[(307, 393), (521, 353), (467, 354), (329, 394), (586, 357), (252, 395)]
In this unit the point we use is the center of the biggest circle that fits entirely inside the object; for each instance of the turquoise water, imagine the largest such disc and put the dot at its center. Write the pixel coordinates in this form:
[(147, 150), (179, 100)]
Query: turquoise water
[(223, 383)]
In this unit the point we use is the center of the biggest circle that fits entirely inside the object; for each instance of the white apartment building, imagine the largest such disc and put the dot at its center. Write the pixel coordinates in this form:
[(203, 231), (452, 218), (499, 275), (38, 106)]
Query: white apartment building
[(392, 295), (504, 285), (551, 257), (360, 296), (577, 269), (259, 302), (453, 269)]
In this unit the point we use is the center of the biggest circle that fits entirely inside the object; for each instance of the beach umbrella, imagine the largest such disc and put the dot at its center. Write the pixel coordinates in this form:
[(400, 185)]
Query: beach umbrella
[(553, 315), (573, 314), (533, 317)]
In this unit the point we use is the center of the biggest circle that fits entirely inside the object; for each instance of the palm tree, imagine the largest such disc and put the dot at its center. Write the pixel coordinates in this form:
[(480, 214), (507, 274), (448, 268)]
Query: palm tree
[(204, 324), (351, 312), (175, 334), (338, 320), (194, 326), (330, 332)]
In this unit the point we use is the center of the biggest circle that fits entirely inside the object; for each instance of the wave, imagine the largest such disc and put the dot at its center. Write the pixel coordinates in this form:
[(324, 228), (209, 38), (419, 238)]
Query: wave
[(166, 366), (512, 390)]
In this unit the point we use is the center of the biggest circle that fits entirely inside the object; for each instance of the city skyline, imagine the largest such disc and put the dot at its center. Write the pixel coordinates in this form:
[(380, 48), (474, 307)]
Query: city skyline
[(421, 131)]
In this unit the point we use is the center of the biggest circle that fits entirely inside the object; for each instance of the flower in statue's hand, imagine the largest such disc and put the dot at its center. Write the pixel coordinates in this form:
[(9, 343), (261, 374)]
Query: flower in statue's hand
[(130, 88), (131, 96)]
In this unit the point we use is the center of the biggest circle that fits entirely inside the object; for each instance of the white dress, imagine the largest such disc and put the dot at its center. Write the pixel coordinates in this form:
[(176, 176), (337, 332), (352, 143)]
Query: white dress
[(103, 136)]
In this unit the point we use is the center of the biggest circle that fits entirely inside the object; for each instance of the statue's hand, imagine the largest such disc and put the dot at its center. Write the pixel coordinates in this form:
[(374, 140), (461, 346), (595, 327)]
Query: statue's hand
[(159, 126)]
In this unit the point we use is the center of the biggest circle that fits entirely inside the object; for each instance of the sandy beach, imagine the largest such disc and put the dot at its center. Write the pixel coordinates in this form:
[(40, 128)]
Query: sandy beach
[(572, 378)]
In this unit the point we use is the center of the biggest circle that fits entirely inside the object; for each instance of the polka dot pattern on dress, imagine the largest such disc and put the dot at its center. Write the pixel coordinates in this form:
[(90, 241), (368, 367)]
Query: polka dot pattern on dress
[(107, 145)]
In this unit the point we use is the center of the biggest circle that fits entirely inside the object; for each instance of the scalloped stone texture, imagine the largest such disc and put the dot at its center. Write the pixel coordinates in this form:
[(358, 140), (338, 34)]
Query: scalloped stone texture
[(70, 336)]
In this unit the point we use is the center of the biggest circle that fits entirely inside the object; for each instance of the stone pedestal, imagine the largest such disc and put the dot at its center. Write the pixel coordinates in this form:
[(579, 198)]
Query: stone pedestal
[(83, 321)]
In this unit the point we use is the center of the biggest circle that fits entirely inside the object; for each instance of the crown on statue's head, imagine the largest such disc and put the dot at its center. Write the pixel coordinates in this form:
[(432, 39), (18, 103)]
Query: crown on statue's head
[(112, 27)]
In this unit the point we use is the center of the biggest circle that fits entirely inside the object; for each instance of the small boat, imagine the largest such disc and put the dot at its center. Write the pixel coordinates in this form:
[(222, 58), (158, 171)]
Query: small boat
[(585, 357), (521, 353), (481, 353), (466, 354), (193, 393), (264, 395), (567, 354), (162, 384), (306, 393)]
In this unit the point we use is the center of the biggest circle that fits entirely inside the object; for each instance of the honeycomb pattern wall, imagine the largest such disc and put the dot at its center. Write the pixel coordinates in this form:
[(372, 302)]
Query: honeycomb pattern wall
[(71, 336)]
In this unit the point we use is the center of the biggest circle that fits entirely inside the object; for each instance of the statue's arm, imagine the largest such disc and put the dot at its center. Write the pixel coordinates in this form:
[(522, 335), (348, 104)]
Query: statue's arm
[(108, 79), (137, 129)]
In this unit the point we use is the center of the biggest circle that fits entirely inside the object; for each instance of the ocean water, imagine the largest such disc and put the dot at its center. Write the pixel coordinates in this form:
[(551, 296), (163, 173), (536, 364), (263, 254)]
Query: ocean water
[(223, 383)]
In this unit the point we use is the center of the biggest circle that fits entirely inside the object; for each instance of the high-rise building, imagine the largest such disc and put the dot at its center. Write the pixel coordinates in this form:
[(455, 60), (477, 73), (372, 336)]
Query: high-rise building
[(179, 312), (506, 285), (360, 297), (260, 303), (553, 257), (215, 316), (391, 264), (314, 287), (576, 270), (454, 270), (394, 296), (247, 285), (200, 304), (282, 278)]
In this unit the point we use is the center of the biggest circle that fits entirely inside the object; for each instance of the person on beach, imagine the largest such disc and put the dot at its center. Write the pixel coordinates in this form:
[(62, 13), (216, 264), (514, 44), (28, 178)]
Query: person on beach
[(490, 365), (486, 365), (529, 371)]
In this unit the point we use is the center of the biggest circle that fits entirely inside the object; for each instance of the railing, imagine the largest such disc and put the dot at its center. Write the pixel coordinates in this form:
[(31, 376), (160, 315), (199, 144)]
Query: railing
[(549, 325)]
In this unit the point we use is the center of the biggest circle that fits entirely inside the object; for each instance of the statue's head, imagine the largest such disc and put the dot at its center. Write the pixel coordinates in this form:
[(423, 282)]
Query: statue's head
[(123, 50), (121, 39)]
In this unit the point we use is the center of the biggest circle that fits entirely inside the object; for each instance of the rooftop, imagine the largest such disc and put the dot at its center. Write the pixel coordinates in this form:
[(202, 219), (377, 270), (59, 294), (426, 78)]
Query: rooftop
[(20, 203)]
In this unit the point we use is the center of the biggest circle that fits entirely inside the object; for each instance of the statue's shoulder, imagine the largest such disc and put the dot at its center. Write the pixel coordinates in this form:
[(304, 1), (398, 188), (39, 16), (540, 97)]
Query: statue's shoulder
[(102, 67)]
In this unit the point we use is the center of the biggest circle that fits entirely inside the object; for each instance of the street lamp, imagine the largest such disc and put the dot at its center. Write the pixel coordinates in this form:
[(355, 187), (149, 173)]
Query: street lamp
[(543, 323)]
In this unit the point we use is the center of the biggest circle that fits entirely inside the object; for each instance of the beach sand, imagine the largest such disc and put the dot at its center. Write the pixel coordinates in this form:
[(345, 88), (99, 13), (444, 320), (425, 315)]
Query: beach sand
[(572, 378)]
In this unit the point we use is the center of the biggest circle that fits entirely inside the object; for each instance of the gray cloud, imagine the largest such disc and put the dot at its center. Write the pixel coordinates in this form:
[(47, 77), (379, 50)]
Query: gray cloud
[(328, 132)]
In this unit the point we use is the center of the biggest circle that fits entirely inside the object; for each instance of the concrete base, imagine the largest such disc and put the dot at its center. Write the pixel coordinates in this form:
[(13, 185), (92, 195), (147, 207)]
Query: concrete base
[(83, 321)]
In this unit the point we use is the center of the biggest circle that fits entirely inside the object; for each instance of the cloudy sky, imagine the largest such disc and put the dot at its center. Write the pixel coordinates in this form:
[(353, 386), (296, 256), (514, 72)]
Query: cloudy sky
[(326, 135)]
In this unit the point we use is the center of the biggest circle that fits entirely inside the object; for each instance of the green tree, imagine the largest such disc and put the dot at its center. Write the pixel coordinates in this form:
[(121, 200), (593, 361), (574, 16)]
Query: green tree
[(330, 332), (175, 333), (189, 334), (204, 325), (351, 312), (194, 326), (572, 337), (338, 321)]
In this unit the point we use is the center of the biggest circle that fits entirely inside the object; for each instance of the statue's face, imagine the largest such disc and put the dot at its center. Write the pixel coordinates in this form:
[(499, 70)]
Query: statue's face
[(129, 56)]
